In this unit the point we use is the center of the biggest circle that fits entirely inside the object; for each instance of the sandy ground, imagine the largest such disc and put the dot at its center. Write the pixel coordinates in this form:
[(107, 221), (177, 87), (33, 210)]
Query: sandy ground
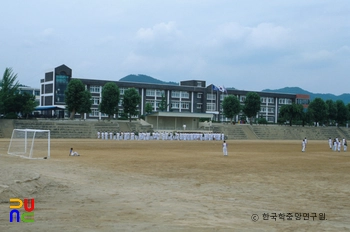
[(179, 186)]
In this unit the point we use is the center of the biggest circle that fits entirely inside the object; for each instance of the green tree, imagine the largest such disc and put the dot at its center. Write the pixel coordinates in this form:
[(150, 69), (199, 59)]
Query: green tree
[(331, 110), (27, 104), (110, 99), (251, 105), (342, 112), (131, 101), (231, 107), (9, 87), (148, 108), (86, 104), (291, 112), (318, 110), (305, 117), (163, 104), (74, 96)]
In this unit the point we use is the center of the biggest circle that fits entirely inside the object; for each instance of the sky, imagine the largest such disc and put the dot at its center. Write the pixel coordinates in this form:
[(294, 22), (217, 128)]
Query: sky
[(249, 45)]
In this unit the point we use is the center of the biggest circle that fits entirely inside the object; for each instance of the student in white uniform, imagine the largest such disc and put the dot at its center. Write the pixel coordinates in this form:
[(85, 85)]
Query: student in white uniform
[(330, 143), (224, 148), (335, 145), (73, 153), (345, 145), (303, 145), (339, 146), (98, 135)]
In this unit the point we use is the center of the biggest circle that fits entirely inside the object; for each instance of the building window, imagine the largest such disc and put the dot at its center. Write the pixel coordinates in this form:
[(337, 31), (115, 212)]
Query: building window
[(175, 105), (94, 113), (211, 96), (303, 101), (49, 88), (175, 94), (150, 92), (199, 95), (185, 94), (263, 99), (242, 98), (211, 107), (152, 103), (160, 93), (94, 89), (95, 100), (270, 99), (222, 97), (154, 92), (199, 105), (185, 105), (285, 101), (199, 84), (122, 90)]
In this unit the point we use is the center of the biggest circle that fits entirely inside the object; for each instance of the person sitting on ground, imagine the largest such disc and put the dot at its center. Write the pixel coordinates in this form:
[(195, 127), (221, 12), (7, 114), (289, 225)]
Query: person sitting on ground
[(73, 153)]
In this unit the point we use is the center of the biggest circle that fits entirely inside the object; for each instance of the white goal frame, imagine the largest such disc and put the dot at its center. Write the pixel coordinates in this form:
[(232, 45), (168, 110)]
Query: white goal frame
[(25, 153)]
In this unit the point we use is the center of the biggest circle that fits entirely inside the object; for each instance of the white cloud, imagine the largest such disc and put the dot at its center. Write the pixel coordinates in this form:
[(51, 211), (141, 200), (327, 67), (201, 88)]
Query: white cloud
[(161, 31), (269, 35), (264, 35)]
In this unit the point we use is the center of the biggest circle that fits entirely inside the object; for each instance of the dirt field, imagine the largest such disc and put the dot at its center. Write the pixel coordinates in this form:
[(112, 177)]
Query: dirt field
[(179, 186)]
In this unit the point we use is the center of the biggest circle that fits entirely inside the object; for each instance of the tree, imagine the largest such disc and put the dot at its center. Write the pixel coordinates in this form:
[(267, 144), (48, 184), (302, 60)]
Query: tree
[(251, 105), (148, 108), (130, 102), (318, 110), (110, 99), (331, 110), (86, 104), (163, 104), (342, 112), (305, 117), (9, 86), (291, 112), (231, 107), (27, 104), (74, 96)]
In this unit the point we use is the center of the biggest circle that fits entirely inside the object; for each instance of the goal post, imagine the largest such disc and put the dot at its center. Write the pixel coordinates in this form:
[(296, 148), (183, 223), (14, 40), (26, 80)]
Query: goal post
[(30, 143)]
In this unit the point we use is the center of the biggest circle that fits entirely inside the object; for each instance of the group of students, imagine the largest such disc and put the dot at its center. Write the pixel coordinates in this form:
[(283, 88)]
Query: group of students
[(159, 136), (336, 144)]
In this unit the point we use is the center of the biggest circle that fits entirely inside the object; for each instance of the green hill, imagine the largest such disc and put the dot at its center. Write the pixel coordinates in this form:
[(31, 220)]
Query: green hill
[(140, 78), (325, 96)]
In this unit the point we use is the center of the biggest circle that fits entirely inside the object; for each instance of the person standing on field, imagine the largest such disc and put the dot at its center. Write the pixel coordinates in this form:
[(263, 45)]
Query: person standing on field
[(330, 143), (303, 145), (345, 145), (224, 148)]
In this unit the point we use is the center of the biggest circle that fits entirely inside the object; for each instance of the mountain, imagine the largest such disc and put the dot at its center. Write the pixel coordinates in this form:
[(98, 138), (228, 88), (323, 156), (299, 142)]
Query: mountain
[(140, 78), (325, 96)]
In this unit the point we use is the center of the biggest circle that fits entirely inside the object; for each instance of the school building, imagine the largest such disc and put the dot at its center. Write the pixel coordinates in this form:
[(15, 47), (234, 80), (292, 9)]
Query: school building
[(190, 97)]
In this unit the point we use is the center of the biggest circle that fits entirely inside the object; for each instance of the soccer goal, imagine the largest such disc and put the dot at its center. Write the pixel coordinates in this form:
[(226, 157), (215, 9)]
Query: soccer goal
[(30, 143)]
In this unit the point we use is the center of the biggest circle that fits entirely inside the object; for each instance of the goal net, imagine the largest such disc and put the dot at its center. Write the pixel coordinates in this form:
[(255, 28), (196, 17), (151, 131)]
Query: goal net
[(30, 143)]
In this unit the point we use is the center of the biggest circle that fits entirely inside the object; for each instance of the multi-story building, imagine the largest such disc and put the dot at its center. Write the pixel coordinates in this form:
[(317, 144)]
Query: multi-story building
[(189, 97)]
